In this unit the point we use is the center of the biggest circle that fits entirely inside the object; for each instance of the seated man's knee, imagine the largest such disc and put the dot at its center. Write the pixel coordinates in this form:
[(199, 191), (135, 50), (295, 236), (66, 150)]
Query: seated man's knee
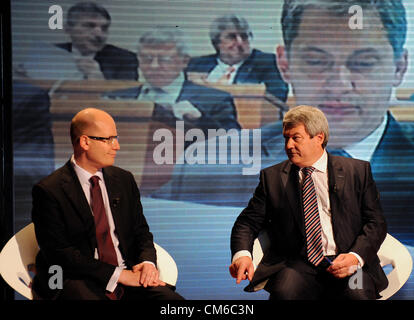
[(290, 284)]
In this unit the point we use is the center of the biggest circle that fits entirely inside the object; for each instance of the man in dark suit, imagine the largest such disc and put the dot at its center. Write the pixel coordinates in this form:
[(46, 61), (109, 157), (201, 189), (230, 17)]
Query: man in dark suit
[(163, 55), (88, 220), (88, 26), (234, 61), (323, 217)]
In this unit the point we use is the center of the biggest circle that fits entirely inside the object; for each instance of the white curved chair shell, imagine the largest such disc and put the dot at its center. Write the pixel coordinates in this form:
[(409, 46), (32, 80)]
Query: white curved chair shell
[(20, 252), (392, 252)]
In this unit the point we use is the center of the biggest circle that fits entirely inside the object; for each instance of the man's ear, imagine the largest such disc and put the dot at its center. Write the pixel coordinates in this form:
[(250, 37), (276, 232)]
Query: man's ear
[(321, 137), (84, 142), (401, 66), (283, 63)]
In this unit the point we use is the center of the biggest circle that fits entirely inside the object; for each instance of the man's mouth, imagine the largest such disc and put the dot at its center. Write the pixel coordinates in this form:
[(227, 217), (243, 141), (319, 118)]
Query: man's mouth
[(339, 108), (96, 42)]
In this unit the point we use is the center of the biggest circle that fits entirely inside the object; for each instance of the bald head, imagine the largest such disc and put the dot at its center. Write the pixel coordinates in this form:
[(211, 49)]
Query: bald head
[(87, 120)]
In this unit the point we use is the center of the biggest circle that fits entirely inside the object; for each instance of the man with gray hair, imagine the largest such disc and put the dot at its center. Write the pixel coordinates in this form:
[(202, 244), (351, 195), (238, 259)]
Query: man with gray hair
[(235, 61), (322, 214), (163, 55)]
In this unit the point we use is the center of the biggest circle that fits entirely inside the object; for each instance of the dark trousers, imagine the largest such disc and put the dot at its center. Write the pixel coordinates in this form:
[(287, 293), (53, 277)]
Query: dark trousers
[(300, 280), (87, 290)]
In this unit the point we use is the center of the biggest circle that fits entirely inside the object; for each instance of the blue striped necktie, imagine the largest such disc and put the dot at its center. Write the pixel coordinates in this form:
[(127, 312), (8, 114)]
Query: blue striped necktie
[(311, 213)]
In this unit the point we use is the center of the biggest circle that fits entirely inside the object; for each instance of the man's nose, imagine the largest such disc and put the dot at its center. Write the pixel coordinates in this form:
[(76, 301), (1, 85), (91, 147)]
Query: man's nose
[(116, 145), (289, 143), (154, 62), (239, 39), (98, 32), (340, 80)]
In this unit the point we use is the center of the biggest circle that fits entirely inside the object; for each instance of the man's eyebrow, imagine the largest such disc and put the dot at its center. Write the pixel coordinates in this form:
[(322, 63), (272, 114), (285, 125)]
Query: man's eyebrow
[(310, 48), (364, 51)]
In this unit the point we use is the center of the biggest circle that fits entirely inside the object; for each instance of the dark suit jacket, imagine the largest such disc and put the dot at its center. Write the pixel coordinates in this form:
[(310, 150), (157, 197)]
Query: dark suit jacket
[(65, 228), (357, 219), (216, 106), (115, 63), (259, 67)]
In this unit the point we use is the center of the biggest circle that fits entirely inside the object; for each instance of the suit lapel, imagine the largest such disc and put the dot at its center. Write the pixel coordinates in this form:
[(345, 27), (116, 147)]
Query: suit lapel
[(244, 73), (290, 182), (336, 183), (113, 186), (73, 190)]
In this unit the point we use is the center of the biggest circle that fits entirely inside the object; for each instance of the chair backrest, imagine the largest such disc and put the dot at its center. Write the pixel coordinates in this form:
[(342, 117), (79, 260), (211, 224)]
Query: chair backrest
[(166, 266), (392, 252), (20, 252), (16, 257)]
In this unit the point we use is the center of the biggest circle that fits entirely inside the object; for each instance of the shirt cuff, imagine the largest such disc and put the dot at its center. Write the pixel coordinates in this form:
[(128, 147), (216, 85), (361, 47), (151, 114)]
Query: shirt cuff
[(241, 253), (150, 262), (113, 281), (360, 260)]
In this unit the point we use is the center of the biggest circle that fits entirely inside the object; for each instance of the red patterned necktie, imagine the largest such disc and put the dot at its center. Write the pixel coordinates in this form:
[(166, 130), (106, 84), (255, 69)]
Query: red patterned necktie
[(225, 78), (106, 249), (312, 223)]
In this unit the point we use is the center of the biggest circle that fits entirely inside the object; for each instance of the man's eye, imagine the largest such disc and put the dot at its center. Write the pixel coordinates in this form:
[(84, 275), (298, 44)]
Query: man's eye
[(315, 62), (362, 64)]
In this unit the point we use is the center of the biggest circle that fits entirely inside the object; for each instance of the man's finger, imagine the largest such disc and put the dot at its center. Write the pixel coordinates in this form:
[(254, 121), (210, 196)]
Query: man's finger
[(250, 272), (241, 274)]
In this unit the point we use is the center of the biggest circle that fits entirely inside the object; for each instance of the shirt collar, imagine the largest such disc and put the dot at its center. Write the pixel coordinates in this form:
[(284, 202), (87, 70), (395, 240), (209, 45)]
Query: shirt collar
[(173, 88), (84, 175), (78, 54), (365, 148), (322, 163), (224, 66)]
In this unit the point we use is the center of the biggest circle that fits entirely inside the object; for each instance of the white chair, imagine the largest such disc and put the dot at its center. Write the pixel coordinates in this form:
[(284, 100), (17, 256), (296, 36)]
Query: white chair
[(19, 253), (392, 252)]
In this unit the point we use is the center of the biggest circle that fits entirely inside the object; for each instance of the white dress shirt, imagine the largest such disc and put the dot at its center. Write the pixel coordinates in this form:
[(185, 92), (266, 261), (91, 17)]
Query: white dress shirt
[(170, 93), (221, 69)]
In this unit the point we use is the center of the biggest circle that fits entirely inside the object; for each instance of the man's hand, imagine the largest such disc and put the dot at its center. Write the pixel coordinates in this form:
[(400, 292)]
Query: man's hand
[(148, 275), (343, 266), (242, 269), (185, 108), (129, 278), (90, 68)]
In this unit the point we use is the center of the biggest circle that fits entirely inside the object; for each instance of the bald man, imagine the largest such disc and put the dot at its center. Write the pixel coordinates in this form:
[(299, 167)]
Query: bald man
[(88, 220)]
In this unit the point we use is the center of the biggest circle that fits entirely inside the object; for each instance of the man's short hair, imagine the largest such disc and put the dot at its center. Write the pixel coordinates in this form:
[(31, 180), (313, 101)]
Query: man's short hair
[(226, 22), (86, 8), (391, 12), (312, 118), (163, 35)]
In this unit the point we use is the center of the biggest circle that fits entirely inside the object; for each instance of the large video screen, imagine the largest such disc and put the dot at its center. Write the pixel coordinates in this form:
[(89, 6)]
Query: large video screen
[(198, 89)]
